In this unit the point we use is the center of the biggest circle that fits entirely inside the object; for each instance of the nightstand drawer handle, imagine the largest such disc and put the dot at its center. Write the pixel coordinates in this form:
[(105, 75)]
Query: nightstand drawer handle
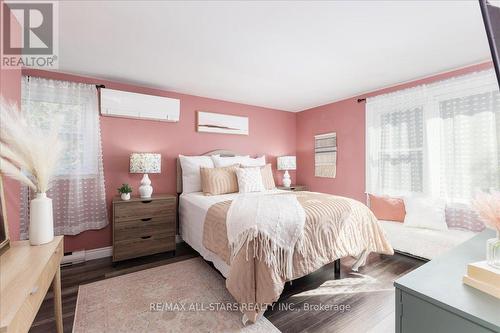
[(146, 201), (145, 237), (147, 219)]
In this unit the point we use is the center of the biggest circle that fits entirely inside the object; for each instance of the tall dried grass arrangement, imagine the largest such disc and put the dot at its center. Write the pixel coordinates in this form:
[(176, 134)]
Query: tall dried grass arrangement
[(488, 207), (27, 154)]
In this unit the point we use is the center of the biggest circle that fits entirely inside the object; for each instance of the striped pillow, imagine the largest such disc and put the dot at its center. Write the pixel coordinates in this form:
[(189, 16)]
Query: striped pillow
[(267, 176), (215, 181)]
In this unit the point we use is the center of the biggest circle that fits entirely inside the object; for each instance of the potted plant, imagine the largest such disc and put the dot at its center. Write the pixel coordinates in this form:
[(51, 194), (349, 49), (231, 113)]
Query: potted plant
[(125, 191)]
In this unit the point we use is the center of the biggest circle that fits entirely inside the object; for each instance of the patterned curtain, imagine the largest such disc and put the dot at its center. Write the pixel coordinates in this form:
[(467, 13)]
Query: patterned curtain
[(77, 192), (440, 139)]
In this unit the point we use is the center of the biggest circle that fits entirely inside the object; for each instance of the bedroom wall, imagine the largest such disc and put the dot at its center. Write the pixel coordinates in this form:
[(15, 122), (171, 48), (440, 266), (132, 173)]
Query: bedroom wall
[(10, 87), (10, 90), (347, 118), (272, 132)]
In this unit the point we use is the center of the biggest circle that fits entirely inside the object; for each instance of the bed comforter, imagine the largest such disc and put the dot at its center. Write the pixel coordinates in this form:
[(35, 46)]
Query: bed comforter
[(335, 227)]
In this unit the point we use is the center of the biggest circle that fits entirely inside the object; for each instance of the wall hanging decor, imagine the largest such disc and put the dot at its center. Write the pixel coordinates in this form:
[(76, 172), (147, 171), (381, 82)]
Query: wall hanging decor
[(210, 122), (325, 155)]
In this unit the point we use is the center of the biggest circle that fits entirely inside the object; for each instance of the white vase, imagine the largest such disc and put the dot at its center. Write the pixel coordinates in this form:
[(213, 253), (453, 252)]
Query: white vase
[(125, 196), (41, 220)]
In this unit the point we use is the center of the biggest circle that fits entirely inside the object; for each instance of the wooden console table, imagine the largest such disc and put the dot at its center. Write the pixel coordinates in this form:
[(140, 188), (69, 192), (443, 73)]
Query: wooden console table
[(26, 273)]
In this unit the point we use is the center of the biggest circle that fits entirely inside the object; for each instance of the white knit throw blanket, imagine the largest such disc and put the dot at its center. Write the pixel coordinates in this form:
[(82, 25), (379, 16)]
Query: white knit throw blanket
[(275, 222)]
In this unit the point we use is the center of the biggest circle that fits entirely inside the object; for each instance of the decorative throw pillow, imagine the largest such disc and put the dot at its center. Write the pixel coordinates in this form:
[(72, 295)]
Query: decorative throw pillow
[(258, 161), (387, 208), (221, 161), (267, 176), (424, 212), (190, 165), (249, 180), (215, 181), (463, 216)]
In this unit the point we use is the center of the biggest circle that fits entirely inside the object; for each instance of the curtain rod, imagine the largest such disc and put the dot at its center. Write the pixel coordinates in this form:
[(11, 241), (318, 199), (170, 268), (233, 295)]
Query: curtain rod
[(361, 100), (98, 86)]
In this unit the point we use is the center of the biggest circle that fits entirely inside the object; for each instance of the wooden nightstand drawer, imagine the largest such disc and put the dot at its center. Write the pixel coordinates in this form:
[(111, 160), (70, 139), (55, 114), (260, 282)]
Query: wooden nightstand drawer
[(144, 245), (144, 227), (143, 209)]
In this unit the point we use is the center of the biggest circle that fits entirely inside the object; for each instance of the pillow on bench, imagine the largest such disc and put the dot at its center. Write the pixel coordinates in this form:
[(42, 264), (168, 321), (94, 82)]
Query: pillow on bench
[(425, 212), (387, 208), (456, 216)]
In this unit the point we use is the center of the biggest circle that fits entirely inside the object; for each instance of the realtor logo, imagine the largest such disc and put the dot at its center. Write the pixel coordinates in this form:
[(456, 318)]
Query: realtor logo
[(29, 34)]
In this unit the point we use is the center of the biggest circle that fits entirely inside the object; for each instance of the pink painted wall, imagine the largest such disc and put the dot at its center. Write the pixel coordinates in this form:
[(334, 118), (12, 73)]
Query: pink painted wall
[(347, 118), (10, 87), (272, 132), (10, 90)]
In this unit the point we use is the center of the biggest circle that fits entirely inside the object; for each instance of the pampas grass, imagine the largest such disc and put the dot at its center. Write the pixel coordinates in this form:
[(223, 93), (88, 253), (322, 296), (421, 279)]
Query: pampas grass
[(27, 154), (488, 207)]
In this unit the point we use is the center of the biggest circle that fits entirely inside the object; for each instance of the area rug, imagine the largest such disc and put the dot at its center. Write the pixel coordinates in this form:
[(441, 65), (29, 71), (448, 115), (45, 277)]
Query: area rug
[(186, 296)]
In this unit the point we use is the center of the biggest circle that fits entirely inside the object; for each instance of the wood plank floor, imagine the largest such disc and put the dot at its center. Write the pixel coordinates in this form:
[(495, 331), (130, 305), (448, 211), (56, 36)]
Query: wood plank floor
[(359, 302)]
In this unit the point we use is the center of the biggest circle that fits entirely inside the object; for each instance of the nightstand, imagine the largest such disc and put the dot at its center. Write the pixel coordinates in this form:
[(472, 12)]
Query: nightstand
[(143, 226), (293, 188)]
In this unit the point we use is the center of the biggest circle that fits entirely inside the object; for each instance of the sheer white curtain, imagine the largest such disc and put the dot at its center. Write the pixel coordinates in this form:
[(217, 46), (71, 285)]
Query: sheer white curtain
[(440, 139), (394, 142), (77, 192)]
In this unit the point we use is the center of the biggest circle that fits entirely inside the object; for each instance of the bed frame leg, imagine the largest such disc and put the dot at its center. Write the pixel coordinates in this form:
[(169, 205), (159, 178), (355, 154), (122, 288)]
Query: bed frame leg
[(336, 265)]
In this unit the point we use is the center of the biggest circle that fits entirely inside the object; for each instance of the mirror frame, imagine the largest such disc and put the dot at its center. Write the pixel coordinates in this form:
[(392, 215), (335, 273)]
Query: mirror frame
[(4, 227)]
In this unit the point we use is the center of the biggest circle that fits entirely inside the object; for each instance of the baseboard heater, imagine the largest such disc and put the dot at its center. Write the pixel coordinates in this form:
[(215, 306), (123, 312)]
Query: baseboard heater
[(80, 256), (73, 258)]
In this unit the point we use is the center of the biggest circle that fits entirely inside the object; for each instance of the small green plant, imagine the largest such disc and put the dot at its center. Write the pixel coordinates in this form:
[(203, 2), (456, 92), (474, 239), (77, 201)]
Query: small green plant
[(126, 188)]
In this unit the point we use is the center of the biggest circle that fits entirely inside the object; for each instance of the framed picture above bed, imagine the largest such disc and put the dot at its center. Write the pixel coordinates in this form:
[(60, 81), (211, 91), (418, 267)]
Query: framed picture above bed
[(4, 231), (210, 122), (325, 155)]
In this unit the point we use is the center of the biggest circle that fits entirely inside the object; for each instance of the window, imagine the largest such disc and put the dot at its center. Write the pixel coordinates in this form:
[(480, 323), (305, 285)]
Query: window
[(470, 144), (75, 159), (441, 139), (401, 155), (77, 191)]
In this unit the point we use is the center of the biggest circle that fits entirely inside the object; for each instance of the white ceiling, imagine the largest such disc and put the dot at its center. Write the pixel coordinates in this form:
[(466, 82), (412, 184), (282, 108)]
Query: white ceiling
[(285, 55)]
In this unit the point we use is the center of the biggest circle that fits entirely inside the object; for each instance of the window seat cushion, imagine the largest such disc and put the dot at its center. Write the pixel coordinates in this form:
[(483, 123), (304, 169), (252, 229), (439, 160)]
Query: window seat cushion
[(424, 243)]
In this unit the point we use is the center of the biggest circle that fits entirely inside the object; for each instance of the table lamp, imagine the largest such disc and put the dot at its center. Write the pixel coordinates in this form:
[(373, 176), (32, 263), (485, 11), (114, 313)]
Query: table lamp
[(287, 163), (145, 163)]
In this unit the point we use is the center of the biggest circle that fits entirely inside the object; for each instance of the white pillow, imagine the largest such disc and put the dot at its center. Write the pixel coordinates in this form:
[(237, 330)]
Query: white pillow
[(424, 212), (221, 161), (190, 165), (259, 161), (249, 180)]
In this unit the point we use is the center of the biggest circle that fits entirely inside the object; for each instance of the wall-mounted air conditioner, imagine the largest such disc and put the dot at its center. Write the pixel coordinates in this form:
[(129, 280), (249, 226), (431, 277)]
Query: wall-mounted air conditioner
[(119, 103)]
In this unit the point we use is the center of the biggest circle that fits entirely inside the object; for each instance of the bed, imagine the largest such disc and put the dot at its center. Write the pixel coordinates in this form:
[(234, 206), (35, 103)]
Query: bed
[(255, 284)]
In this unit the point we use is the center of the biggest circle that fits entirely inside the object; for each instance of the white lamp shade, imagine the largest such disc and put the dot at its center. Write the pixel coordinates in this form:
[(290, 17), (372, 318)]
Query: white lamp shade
[(145, 163), (287, 163)]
